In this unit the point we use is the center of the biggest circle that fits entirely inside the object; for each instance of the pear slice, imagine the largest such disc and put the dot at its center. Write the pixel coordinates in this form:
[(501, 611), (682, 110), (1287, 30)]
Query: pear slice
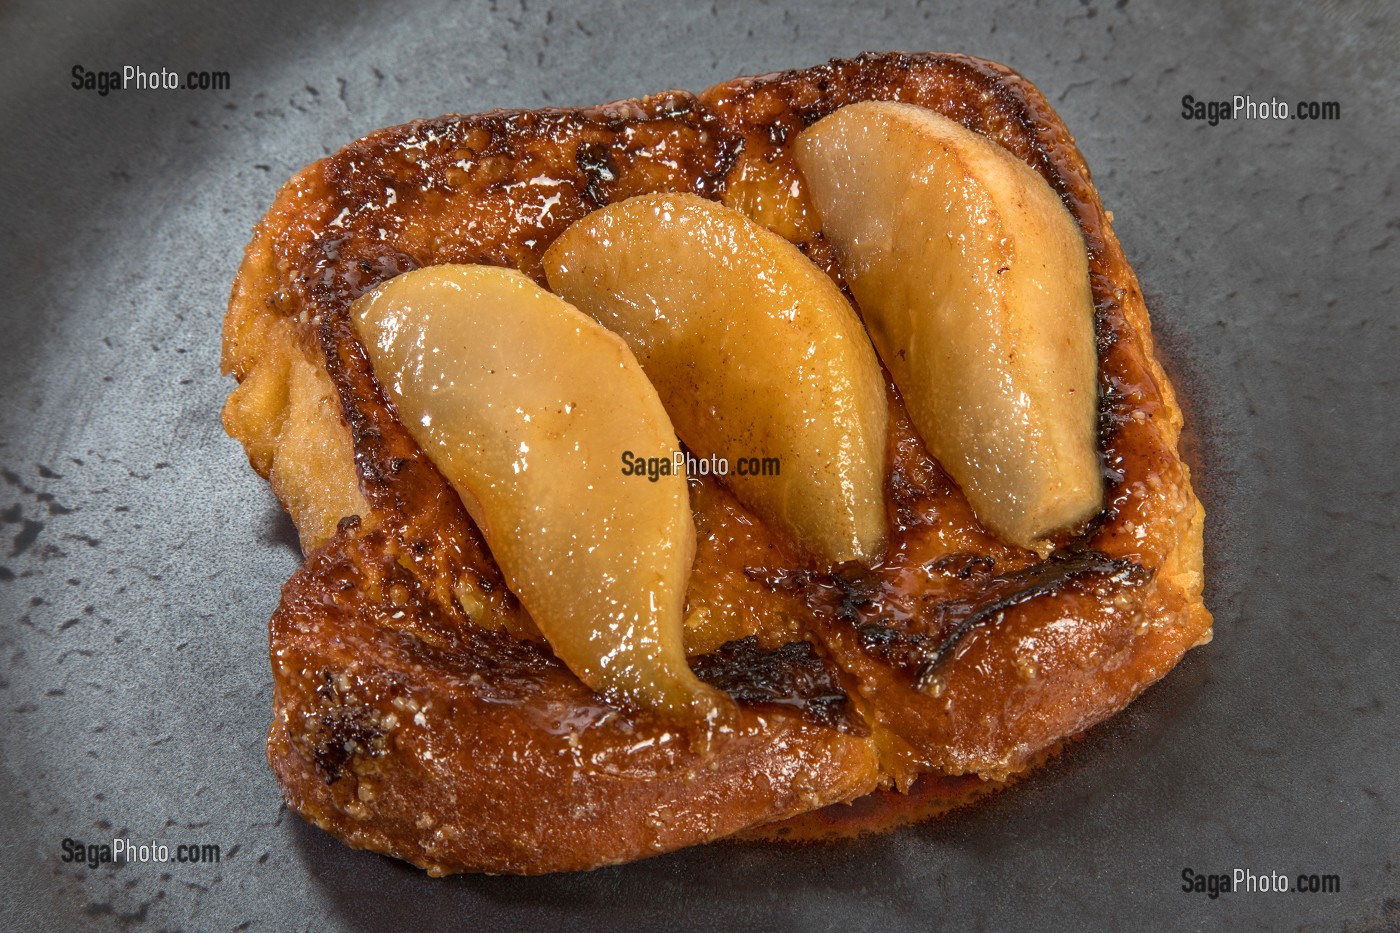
[(973, 280), (755, 352), (527, 406)]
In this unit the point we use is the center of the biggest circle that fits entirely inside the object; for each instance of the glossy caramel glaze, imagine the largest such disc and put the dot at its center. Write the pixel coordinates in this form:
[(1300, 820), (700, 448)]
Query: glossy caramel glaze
[(417, 711), (932, 795)]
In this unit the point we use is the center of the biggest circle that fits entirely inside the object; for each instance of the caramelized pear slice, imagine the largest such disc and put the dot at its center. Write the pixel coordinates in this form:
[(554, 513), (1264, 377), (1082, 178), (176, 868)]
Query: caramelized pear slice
[(755, 352), (973, 280), (526, 406)]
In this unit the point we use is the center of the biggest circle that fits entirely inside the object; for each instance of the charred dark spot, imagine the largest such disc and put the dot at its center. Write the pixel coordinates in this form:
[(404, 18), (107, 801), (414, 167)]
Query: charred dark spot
[(729, 150), (1115, 409), (905, 494), (347, 523), (858, 598), (337, 737), (966, 566), (793, 675), (344, 730), (896, 648), (1108, 323), (841, 594), (855, 594), (957, 617), (599, 169)]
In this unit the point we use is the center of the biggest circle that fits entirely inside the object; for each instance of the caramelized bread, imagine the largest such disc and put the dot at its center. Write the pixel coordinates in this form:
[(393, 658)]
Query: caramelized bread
[(417, 710)]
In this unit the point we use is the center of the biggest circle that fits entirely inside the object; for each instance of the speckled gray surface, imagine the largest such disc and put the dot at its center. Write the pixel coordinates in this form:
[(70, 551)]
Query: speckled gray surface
[(141, 557)]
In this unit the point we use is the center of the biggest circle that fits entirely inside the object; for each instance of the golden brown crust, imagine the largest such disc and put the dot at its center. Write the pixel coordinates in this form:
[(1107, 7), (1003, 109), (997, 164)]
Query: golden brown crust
[(961, 653), (284, 410), (401, 730), (1012, 689)]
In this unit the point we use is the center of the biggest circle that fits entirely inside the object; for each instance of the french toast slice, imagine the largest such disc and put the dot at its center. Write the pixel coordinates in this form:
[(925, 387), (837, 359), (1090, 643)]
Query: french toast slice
[(418, 712)]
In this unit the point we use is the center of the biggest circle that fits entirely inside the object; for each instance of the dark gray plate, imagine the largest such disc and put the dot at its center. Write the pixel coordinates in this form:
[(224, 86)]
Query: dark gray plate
[(141, 557)]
